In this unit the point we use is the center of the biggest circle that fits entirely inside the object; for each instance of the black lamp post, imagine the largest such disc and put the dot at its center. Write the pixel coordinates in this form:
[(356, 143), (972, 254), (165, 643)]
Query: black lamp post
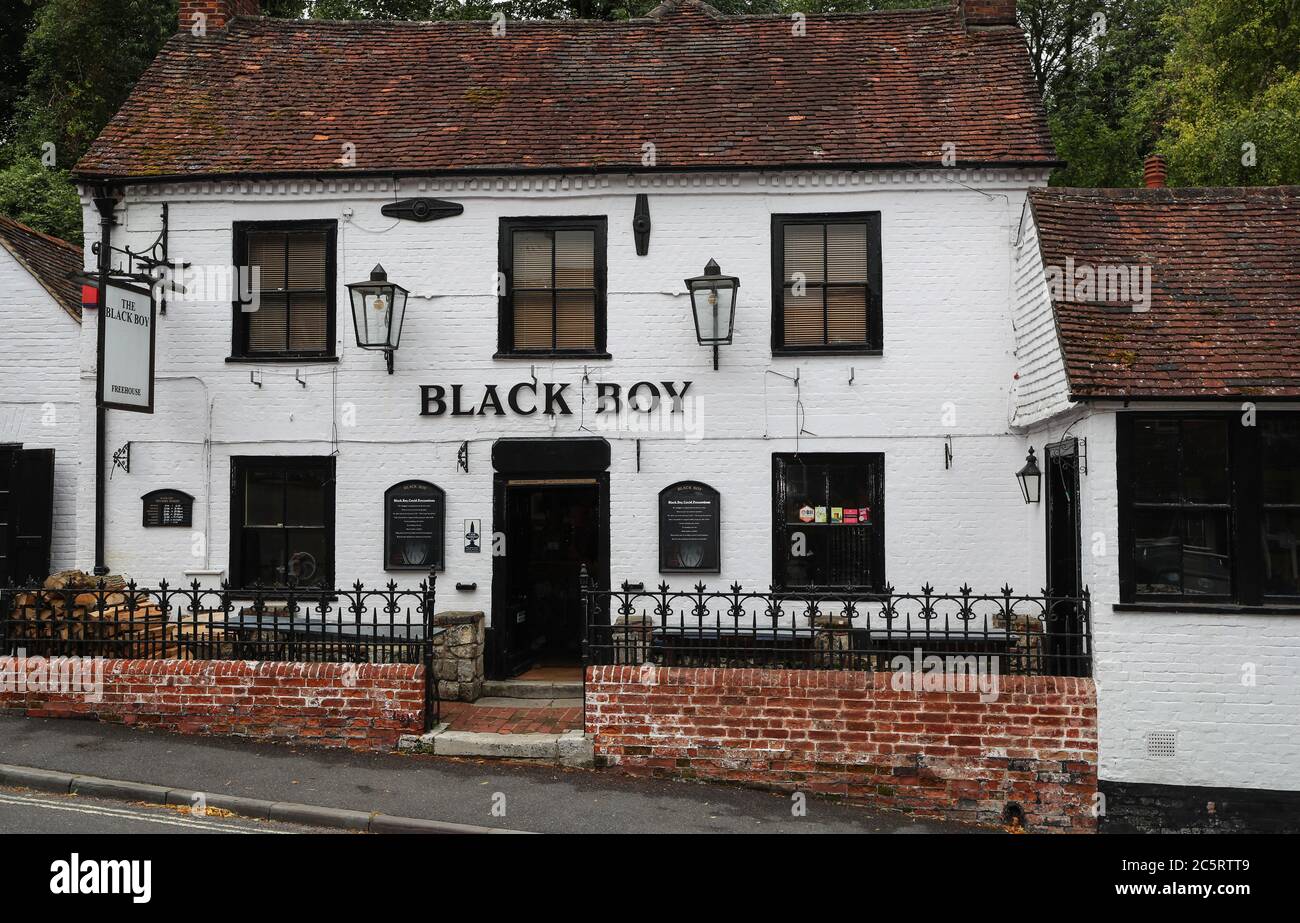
[(378, 309), (713, 301), (1031, 479)]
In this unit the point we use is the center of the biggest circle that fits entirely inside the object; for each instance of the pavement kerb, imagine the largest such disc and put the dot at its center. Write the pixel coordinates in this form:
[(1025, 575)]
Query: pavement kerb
[(65, 783)]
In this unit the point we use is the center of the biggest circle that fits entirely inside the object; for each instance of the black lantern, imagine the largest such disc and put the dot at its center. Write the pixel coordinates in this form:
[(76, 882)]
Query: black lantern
[(713, 299), (378, 309), (1031, 479)]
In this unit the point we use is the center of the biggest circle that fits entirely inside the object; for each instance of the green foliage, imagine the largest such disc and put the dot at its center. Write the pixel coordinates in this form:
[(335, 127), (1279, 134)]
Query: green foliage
[(83, 58), (14, 27), (1230, 87), (1097, 108), (40, 197)]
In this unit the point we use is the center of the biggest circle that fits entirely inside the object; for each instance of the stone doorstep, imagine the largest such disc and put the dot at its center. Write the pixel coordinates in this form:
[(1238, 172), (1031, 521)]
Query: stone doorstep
[(571, 748), (531, 689), (502, 702)]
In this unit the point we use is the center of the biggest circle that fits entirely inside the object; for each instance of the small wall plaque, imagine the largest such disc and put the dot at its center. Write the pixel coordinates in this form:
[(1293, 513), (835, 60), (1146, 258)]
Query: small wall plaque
[(168, 508)]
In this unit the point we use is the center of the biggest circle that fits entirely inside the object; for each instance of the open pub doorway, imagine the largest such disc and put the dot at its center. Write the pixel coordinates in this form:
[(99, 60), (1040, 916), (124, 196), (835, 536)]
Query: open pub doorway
[(554, 523)]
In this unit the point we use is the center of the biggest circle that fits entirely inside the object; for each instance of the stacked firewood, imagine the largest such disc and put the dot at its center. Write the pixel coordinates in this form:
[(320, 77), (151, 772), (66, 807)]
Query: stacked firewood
[(76, 614)]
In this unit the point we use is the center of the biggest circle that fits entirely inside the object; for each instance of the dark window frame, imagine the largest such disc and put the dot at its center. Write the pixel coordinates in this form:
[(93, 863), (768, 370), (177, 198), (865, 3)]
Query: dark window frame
[(239, 351), (1245, 517), (781, 529), (875, 343), (599, 224), (239, 467)]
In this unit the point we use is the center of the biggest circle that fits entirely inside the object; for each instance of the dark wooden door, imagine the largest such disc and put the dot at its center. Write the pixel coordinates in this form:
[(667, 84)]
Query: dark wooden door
[(1064, 557), (552, 530)]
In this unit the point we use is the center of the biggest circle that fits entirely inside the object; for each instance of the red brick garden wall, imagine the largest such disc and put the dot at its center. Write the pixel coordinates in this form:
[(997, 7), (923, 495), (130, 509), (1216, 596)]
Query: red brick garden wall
[(853, 734), (361, 706)]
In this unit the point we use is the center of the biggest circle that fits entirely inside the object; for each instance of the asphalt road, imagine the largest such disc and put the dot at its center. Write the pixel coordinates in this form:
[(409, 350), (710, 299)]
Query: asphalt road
[(22, 811), (540, 799)]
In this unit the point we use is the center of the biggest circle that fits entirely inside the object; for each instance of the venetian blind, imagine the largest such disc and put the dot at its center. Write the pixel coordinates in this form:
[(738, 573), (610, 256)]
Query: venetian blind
[(825, 284), (553, 296), (293, 310)]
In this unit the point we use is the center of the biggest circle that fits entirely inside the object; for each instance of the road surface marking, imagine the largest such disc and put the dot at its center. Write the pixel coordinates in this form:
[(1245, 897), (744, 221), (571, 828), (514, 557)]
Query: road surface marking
[(127, 814)]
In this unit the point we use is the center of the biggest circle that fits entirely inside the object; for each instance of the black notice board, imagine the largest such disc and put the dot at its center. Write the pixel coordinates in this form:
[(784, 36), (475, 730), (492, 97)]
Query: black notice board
[(168, 508), (690, 529), (415, 521)]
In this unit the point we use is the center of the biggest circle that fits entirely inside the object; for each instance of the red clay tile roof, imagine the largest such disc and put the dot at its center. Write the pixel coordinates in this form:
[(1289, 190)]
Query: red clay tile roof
[(709, 91), (52, 262), (1224, 318)]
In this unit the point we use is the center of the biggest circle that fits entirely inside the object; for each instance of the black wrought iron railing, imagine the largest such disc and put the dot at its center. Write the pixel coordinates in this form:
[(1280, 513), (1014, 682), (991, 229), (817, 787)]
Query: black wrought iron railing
[(838, 629), (117, 619)]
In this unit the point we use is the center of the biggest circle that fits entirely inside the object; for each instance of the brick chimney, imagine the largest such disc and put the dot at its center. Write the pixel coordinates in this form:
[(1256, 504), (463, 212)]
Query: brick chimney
[(982, 13), (218, 12), (1154, 171)]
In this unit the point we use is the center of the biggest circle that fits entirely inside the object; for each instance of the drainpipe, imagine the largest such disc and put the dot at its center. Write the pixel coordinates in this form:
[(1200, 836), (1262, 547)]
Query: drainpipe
[(106, 204)]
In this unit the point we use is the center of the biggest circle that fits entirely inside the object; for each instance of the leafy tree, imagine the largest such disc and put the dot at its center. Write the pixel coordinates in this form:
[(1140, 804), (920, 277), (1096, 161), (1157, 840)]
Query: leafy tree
[(1229, 93), (41, 197), (83, 58), (1097, 108), (14, 27)]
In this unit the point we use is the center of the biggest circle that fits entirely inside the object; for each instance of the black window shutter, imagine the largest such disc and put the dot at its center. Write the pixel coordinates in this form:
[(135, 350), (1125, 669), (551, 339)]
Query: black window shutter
[(33, 498)]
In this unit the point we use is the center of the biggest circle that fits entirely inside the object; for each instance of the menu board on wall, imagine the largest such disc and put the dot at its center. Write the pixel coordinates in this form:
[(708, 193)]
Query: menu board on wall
[(415, 517), (690, 525)]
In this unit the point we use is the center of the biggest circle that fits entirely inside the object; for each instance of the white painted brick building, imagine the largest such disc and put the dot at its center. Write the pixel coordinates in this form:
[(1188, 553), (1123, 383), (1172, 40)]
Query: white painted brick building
[(40, 382), (971, 362)]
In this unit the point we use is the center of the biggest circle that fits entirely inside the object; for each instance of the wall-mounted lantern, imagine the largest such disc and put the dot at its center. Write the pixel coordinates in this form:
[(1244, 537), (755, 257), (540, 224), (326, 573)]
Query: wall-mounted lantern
[(713, 300), (1031, 479), (378, 309)]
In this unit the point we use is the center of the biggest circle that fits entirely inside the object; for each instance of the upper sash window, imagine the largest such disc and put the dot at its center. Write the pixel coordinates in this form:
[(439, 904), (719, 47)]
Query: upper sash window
[(553, 301), (292, 315), (826, 286)]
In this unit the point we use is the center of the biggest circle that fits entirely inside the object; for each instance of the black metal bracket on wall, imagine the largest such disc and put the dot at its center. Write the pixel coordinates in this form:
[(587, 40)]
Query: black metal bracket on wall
[(422, 209), (122, 458), (462, 457)]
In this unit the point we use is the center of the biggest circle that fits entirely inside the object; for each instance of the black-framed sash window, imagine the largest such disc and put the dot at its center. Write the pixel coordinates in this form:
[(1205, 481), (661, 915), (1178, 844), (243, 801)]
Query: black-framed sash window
[(828, 515), (282, 521), (295, 305), (553, 301), (826, 283), (1209, 507)]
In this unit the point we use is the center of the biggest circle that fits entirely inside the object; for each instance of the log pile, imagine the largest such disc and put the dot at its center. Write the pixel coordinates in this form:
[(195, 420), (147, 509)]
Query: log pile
[(76, 614)]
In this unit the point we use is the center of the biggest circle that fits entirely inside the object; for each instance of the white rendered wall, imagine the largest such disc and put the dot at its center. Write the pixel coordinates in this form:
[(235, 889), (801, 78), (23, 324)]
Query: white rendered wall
[(1183, 672), (38, 390), (947, 256)]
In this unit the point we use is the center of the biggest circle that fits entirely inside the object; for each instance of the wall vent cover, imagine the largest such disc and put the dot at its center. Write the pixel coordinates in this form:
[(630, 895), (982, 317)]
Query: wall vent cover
[(1162, 744)]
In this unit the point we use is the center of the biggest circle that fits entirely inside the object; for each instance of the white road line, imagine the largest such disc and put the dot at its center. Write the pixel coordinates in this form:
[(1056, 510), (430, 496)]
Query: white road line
[(126, 814)]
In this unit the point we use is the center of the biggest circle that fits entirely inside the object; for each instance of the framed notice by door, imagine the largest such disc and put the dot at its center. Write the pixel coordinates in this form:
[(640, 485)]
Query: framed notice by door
[(126, 349), (690, 529), (415, 519)]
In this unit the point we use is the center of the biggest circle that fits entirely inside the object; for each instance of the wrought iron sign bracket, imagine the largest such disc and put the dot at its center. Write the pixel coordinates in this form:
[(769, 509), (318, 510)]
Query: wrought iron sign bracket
[(462, 457), (149, 265), (122, 459)]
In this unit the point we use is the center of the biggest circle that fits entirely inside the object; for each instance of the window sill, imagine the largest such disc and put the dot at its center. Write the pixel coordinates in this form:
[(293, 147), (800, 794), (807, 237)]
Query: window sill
[(804, 352), (1205, 609), (263, 360), (553, 354)]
